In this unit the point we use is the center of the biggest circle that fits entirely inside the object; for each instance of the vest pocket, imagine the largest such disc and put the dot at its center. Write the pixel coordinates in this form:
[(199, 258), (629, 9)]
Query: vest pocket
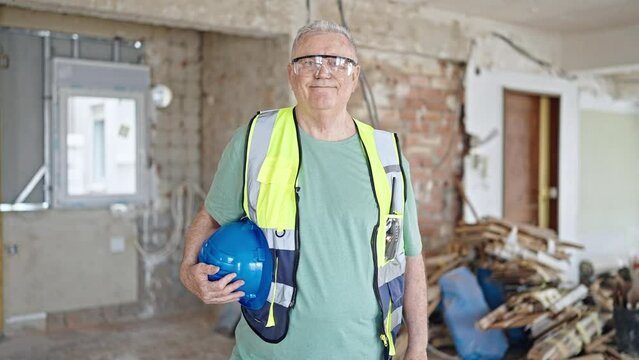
[(392, 238), (276, 199)]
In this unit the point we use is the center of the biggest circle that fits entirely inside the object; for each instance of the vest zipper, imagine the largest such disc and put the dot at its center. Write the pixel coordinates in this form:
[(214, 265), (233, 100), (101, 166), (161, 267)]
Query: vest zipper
[(297, 245), (297, 210)]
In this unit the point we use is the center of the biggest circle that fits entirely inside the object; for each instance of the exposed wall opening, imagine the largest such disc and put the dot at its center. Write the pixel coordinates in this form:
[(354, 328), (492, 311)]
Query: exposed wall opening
[(46, 80)]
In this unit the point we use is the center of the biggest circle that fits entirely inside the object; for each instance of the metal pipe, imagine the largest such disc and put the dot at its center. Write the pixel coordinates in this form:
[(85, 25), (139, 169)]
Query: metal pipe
[(23, 207), (47, 109), (31, 185), (116, 49), (76, 45)]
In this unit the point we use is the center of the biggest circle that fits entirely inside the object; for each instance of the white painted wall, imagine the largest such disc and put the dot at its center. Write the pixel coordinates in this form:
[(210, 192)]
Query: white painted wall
[(608, 220), (484, 168)]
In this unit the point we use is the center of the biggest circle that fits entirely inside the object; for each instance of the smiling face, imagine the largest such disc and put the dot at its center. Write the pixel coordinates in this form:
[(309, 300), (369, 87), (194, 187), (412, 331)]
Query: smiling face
[(323, 90)]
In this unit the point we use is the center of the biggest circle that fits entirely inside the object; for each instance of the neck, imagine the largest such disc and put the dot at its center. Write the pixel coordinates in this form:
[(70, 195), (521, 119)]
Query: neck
[(326, 125)]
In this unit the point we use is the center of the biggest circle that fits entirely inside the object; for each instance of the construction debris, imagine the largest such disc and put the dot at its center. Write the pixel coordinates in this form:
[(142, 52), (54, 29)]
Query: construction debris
[(568, 340), (530, 264)]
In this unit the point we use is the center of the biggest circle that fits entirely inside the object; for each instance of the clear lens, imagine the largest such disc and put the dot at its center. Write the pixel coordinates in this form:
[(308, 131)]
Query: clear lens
[(335, 65)]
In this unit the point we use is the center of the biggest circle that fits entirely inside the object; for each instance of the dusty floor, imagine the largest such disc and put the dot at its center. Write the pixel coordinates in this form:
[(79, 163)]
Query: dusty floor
[(180, 337), (188, 337)]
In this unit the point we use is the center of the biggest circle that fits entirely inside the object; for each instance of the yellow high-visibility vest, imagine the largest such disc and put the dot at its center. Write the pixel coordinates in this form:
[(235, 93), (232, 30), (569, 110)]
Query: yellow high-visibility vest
[(270, 199)]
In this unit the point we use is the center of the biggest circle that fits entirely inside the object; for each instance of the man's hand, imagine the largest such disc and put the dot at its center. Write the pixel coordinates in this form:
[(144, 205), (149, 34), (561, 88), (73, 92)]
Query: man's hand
[(194, 275), (195, 279), (415, 354)]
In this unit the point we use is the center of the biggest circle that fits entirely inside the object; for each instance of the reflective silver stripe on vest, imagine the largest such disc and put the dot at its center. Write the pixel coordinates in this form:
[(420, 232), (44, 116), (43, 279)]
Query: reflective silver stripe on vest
[(396, 317), (392, 168), (387, 152), (283, 295), (262, 131), (281, 240), (393, 269)]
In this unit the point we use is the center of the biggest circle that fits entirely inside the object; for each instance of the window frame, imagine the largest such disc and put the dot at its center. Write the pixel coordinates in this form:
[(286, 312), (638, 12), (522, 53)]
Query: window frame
[(61, 93)]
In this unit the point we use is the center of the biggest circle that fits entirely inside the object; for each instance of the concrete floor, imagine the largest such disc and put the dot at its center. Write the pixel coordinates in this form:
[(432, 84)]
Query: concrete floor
[(179, 337), (188, 337)]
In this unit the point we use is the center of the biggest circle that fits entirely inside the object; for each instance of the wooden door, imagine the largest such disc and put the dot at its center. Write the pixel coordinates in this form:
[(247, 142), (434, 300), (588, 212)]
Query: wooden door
[(530, 158)]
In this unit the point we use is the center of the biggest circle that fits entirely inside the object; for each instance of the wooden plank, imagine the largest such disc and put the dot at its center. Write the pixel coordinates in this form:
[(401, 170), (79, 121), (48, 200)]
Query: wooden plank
[(576, 294), (569, 244), (485, 322), (494, 228), (590, 357), (518, 320), (478, 237), (599, 341)]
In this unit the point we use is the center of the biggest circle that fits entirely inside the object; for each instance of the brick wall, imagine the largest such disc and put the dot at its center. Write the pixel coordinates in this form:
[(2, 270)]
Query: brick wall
[(174, 57), (419, 98), (175, 60)]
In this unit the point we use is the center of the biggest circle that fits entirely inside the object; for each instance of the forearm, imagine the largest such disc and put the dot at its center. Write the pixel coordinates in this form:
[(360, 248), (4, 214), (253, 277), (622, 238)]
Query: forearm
[(200, 229), (416, 303)]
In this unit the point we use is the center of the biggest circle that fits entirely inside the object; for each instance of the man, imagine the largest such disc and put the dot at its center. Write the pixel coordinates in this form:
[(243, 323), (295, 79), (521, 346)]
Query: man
[(319, 184)]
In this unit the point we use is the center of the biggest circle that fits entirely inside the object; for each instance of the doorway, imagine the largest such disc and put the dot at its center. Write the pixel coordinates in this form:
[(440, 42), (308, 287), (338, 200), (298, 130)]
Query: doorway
[(531, 158)]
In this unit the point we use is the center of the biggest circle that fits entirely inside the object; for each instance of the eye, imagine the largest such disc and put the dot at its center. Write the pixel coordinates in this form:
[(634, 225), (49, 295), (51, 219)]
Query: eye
[(332, 62), (307, 62), (339, 62)]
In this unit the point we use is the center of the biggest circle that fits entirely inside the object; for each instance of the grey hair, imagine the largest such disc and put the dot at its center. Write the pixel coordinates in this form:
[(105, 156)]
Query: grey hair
[(322, 26)]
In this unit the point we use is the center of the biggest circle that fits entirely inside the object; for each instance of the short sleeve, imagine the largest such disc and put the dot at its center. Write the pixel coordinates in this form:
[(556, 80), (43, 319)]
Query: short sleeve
[(224, 199), (412, 237)]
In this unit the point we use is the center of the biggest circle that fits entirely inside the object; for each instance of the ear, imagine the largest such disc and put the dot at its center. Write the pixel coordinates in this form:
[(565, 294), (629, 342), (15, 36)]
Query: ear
[(355, 76), (291, 74)]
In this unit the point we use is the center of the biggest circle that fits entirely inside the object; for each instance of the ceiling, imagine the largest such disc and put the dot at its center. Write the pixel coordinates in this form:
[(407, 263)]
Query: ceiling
[(552, 15)]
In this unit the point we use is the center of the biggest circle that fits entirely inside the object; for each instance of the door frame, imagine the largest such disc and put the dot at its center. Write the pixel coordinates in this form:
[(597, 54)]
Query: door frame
[(484, 98)]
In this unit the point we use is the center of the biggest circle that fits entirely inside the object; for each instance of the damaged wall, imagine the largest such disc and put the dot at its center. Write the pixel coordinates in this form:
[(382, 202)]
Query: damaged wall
[(415, 60), (240, 76), (412, 54), (244, 16), (419, 98), (174, 58)]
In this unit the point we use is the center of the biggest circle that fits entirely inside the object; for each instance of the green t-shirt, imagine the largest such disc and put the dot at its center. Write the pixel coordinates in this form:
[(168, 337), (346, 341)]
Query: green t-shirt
[(336, 314)]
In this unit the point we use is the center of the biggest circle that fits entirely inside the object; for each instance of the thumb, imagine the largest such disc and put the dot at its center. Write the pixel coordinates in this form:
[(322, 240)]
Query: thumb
[(211, 269)]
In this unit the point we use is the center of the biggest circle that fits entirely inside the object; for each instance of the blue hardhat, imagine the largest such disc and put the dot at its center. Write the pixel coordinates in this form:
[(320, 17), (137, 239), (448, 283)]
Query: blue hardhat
[(240, 247)]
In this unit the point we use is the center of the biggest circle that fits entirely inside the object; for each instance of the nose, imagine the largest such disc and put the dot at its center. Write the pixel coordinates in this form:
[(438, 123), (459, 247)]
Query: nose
[(322, 72)]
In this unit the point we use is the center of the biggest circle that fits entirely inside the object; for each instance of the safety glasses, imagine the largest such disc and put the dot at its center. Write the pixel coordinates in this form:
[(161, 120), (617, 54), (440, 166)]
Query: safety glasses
[(339, 66)]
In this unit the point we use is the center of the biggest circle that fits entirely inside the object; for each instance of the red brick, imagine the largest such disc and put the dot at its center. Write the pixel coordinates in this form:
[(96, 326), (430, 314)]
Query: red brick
[(419, 81)]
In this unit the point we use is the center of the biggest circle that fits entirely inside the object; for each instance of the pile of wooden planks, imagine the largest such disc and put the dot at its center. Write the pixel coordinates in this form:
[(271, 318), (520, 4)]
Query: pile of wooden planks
[(530, 264), (541, 256), (567, 340), (522, 272), (529, 307)]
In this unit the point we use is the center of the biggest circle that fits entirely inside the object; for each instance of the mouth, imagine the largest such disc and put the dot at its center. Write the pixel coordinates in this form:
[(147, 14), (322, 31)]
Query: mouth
[(322, 87)]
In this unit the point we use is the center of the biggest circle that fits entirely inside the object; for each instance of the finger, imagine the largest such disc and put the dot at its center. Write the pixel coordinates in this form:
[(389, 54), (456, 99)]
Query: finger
[(226, 280), (219, 285), (206, 269), (232, 287), (227, 298)]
